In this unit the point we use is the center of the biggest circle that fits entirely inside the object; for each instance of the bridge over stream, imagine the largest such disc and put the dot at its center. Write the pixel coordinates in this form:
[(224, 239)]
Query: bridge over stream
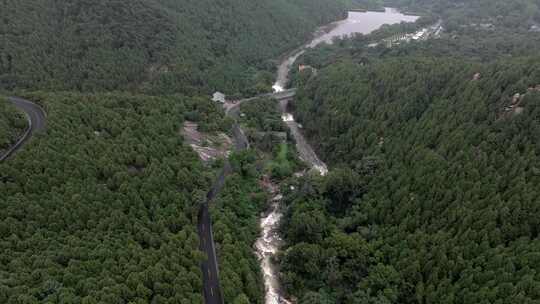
[(232, 106)]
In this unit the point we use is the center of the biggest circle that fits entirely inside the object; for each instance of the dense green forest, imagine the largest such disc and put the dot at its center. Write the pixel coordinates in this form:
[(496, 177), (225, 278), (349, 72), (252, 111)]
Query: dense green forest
[(434, 196), (261, 120), (262, 114), (12, 124), (268, 135), (434, 148), (102, 208), (515, 13), (157, 46)]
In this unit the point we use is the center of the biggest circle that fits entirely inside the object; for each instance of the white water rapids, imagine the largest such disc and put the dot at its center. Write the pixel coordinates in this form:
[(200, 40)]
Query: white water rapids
[(267, 246)]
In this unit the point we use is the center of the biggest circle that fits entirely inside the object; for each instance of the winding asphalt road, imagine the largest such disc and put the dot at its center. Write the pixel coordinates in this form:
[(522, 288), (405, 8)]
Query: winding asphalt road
[(209, 267), (36, 123)]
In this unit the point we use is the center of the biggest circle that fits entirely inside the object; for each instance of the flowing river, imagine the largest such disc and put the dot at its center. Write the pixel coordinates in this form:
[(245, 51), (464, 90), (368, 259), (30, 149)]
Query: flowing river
[(268, 244)]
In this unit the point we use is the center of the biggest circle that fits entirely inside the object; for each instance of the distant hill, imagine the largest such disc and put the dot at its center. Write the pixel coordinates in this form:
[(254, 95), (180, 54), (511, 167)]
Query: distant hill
[(156, 45)]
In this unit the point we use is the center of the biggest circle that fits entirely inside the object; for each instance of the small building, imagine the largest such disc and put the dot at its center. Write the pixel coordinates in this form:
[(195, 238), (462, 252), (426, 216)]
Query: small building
[(303, 67), (535, 28), (218, 97), (420, 34)]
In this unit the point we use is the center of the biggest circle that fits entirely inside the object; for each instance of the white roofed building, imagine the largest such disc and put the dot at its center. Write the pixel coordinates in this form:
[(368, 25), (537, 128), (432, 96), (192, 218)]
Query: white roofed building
[(218, 97)]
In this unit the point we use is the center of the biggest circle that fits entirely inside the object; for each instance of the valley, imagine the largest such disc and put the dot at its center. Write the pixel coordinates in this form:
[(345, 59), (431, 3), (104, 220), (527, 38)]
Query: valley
[(269, 242), (390, 158)]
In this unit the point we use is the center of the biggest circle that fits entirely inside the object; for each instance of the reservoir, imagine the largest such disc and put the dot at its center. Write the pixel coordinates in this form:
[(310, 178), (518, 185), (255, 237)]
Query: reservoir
[(363, 23)]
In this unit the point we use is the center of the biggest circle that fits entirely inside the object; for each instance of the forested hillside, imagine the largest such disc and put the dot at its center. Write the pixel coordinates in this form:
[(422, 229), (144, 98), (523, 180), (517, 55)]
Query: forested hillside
[(102, 208), (12, 124), (515, 13), (436, 198), (434, 148), (154, 45), (474, 30)]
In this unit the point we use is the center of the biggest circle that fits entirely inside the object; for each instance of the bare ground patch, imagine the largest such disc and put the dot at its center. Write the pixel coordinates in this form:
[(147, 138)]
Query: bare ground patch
[(209, 147)]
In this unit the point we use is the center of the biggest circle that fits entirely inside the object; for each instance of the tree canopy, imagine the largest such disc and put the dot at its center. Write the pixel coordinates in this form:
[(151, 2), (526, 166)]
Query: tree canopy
[(432, 196), (155, 46), (12, 124), (102, 208)]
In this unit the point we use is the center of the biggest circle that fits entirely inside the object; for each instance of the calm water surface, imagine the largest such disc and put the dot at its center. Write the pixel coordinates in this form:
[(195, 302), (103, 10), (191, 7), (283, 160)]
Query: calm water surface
[(364, 23)]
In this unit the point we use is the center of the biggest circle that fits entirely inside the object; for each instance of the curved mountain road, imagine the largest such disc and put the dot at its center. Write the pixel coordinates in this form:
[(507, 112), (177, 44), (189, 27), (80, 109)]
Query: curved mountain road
[(36, 123), (209, 267)]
